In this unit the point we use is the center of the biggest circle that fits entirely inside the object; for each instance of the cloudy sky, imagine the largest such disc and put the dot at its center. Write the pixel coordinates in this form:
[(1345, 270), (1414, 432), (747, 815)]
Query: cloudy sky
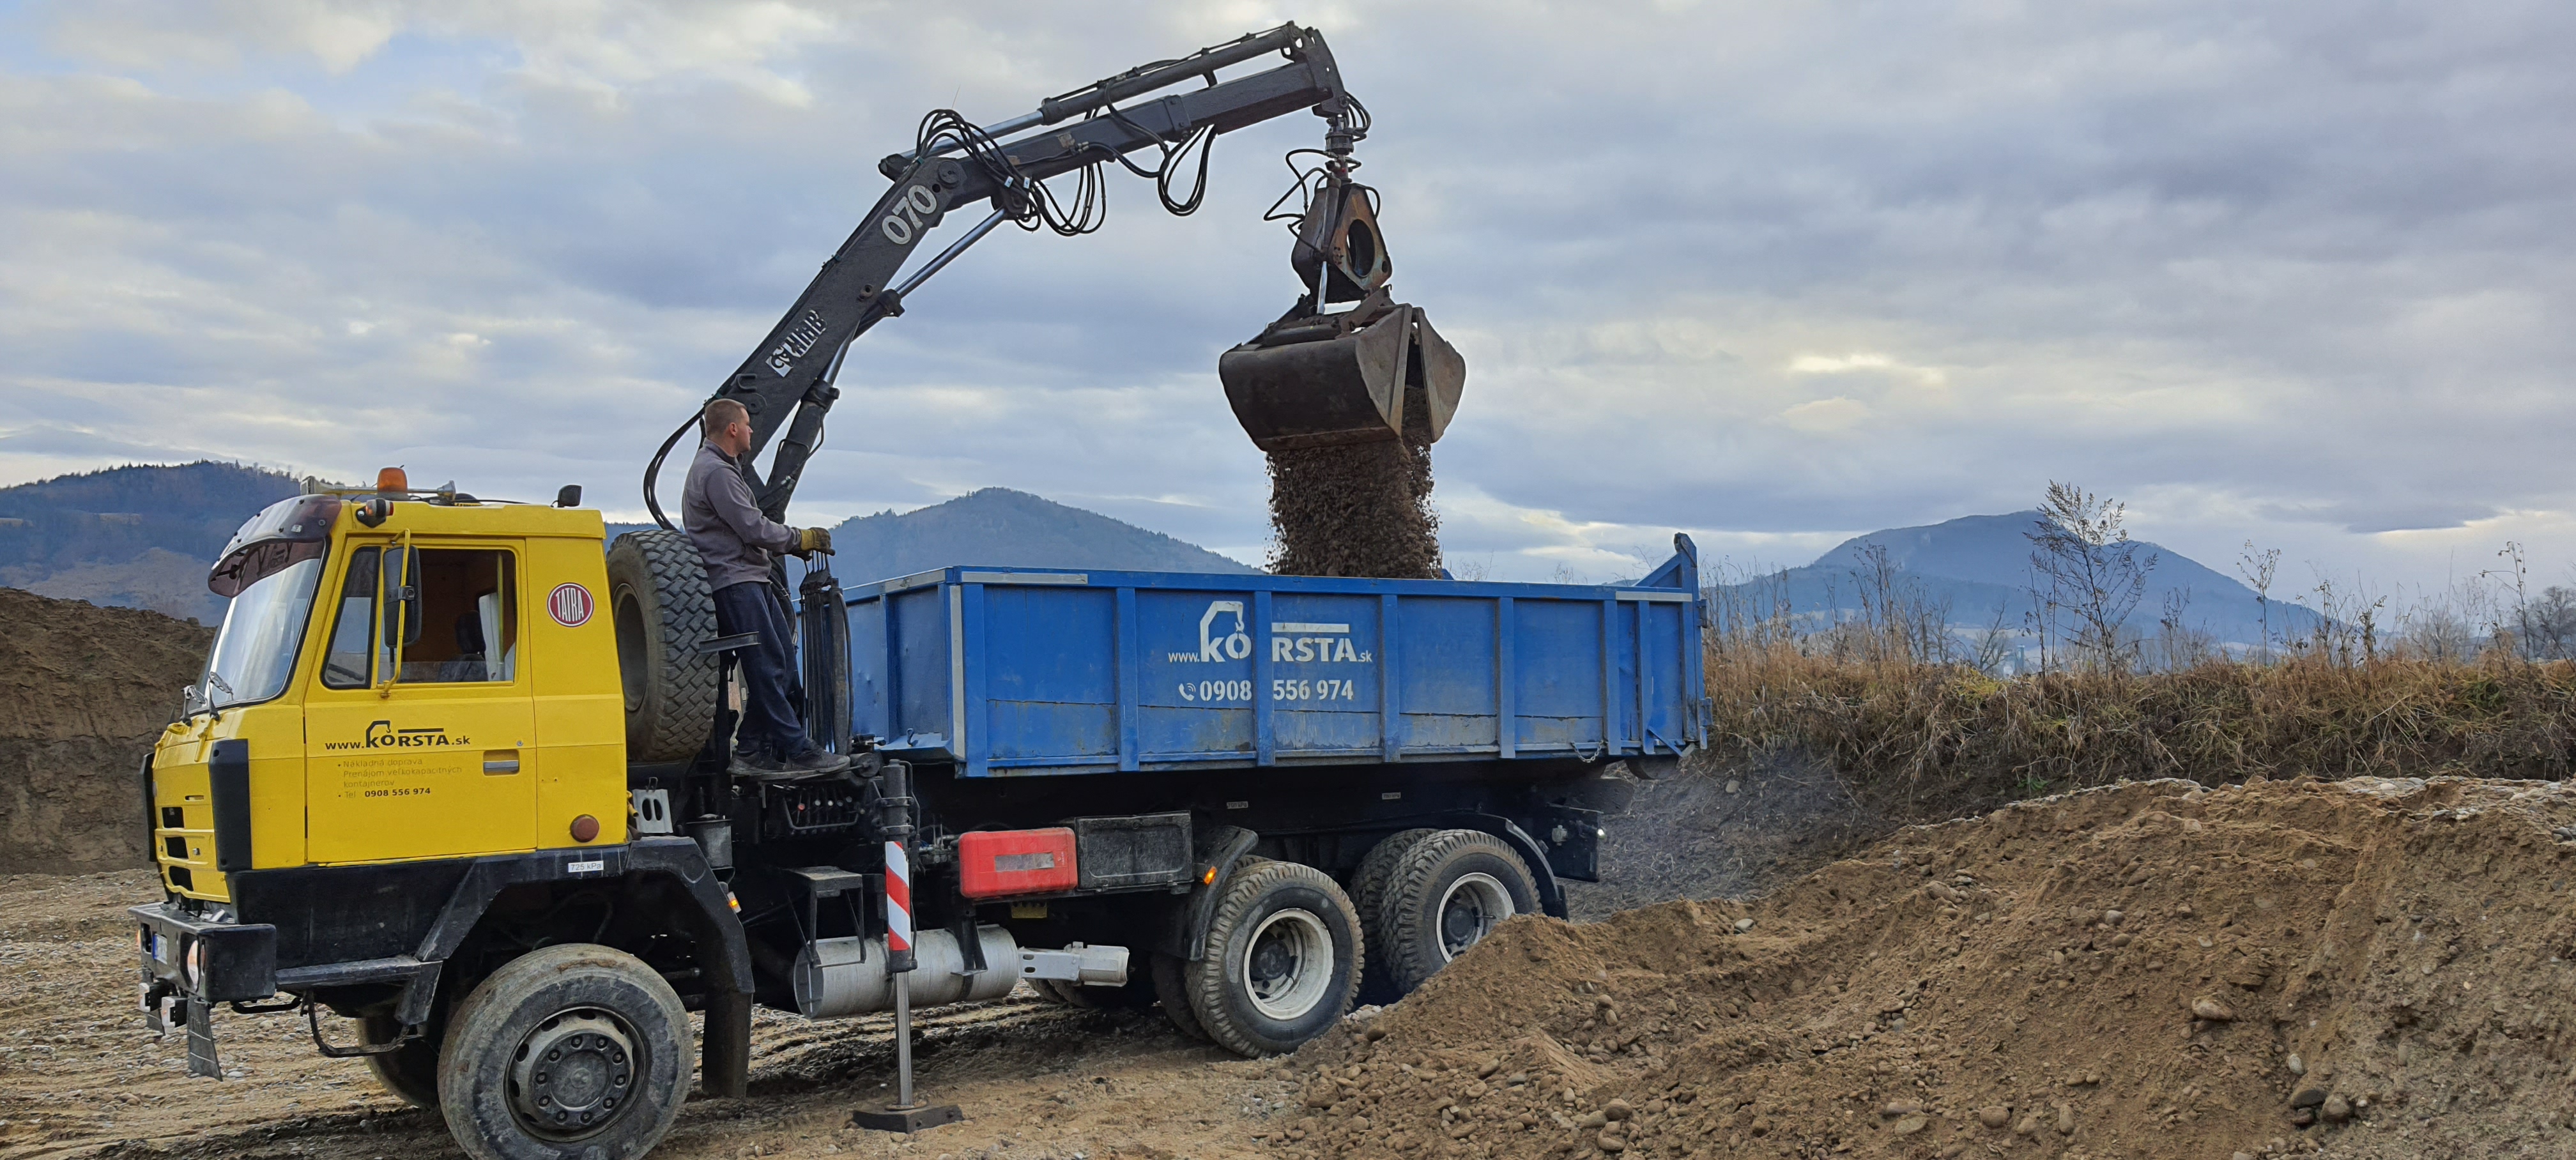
[(1774, 274)]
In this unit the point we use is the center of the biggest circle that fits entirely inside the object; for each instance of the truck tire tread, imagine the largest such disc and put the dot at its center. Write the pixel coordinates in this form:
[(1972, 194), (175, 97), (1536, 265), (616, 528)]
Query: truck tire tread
[(1136, 995), (1406, 941), (489, 1025), (1368, 894), (671, 688), (1173, 991), (410, 1073), (1220, 1007)]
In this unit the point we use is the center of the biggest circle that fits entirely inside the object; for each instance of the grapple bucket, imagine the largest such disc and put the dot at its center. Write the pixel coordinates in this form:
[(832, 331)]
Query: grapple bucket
[(1317, 382)]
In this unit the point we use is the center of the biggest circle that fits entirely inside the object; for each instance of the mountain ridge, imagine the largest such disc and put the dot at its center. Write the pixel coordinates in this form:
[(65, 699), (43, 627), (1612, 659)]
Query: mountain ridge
[(1976, 572), (142, 535)]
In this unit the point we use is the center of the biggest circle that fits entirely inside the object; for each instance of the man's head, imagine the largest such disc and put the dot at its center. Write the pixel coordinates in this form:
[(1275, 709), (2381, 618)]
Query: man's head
[(726, 425)]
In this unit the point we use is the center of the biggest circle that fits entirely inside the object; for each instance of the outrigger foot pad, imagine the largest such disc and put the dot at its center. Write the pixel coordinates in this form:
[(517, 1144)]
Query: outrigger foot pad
[(907, 1120)]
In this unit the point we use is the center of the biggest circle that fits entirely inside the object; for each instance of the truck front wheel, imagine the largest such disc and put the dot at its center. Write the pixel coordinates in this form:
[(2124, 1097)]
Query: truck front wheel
[(409, 1071), (575, 1049), (1281, 961)]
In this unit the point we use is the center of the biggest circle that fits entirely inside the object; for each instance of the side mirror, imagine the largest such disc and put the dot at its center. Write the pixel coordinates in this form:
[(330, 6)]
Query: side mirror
[(400, 576), (570, 496)]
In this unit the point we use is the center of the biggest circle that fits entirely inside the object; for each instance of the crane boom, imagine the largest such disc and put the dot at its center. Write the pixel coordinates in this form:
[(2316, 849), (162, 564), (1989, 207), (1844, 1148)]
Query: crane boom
[(787, 384)]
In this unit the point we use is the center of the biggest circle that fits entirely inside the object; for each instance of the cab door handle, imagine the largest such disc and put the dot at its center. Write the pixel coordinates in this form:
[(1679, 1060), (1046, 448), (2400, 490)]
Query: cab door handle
[(500, 761)]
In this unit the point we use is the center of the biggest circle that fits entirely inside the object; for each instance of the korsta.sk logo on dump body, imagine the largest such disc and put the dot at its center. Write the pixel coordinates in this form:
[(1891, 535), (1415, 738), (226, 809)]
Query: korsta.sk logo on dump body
[(1290, 641), (570, 605), (1235, 645)]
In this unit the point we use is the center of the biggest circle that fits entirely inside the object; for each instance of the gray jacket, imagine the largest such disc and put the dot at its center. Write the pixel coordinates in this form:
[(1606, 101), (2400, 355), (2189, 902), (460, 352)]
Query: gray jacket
[(725, 523)]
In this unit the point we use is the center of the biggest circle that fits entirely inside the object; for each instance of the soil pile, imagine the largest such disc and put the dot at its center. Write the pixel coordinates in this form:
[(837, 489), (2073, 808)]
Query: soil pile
[(1359, 509), (2373, 968), (83, 690)]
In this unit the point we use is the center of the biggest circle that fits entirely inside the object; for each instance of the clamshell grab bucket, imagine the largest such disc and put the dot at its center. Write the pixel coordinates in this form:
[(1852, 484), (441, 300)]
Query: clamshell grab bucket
[(1322, 381)]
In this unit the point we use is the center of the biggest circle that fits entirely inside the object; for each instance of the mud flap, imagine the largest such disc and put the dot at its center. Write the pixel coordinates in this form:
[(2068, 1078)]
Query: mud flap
[(1185, 928), (201, 1039)]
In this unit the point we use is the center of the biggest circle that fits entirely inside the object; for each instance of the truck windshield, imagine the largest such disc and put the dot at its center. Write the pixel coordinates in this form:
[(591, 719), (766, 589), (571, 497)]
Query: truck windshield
[(255, 652)]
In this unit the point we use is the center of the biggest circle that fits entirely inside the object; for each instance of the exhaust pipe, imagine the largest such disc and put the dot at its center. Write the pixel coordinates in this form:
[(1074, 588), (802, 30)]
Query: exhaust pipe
[(839, 977)]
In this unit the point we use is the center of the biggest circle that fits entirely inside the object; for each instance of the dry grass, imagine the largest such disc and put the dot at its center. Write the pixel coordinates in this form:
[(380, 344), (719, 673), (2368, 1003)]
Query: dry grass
[(1912, 732)]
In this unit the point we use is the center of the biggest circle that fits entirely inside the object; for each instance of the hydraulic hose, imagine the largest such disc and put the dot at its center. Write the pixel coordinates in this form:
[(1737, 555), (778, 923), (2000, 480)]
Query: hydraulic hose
[(653, 471)]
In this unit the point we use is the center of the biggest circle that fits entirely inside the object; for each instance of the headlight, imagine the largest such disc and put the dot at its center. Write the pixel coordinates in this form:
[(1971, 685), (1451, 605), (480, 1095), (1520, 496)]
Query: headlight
[(197, 964)]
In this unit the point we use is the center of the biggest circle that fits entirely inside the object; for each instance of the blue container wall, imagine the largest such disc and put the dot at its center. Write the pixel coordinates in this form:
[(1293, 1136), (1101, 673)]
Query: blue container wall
[(1021, 672)]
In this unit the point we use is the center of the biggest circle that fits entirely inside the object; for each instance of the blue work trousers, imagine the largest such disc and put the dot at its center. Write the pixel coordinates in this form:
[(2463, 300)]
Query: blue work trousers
[(770, 723)]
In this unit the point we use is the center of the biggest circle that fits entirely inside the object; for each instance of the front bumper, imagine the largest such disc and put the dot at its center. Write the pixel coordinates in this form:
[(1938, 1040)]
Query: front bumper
[(192, 963)]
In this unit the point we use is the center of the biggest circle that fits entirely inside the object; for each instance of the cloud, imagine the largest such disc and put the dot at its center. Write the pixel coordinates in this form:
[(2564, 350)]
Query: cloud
[(1769, 276)]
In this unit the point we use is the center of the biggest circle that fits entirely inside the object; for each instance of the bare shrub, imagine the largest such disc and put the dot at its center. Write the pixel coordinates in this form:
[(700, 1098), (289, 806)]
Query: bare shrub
[(2089, 576)]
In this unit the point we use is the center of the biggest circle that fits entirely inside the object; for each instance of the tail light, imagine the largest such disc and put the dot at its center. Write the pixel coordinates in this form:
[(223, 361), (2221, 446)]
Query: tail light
[(1007, 863)]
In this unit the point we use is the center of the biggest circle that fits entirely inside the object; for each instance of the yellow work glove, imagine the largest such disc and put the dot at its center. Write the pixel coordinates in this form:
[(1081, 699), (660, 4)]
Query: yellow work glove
[(812, 540)]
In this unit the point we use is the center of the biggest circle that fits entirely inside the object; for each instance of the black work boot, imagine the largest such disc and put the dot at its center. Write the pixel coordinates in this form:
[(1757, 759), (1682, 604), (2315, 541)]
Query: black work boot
[(813, 759), (754, 763)]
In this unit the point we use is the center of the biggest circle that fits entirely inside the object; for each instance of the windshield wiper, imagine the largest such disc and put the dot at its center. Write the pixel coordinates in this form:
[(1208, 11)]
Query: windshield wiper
[(220, 683)]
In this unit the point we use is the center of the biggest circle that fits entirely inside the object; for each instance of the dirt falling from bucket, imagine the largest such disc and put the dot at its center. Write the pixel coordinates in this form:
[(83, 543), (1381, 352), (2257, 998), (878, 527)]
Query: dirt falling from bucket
[(1359, 509)]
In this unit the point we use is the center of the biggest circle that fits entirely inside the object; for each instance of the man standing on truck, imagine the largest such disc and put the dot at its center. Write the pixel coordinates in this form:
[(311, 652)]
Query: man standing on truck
[(738, 544)]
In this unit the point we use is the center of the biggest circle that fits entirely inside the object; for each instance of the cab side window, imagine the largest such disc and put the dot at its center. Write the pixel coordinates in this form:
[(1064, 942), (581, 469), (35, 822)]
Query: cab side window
[(466, 629), (461, 626)]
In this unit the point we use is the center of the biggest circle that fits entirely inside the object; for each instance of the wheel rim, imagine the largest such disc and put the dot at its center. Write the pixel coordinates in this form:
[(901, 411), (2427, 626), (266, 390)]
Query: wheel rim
[(1289, 964), (1469, 910), (574, 1074)]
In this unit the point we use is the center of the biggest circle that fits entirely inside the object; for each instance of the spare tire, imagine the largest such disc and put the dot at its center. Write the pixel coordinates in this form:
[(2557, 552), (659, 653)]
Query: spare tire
[(658, 598)]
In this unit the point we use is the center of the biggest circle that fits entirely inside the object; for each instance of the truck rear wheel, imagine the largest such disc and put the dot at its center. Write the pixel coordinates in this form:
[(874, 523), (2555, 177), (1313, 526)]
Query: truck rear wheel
[(410, 1071), (659, 602), (1281, 961), (575, 1049), (1172, 988), (1445, 895), (1134, 995), (1368, 894)]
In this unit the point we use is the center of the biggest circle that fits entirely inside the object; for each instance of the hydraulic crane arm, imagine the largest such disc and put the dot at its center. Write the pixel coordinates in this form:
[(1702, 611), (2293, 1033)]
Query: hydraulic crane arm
[(788, 383)]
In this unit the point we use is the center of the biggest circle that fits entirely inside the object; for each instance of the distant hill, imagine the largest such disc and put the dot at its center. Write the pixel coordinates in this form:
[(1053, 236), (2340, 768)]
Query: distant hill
[(1008, 528), (136, 537), (142, 537), (1978, 568), (1002, 528)]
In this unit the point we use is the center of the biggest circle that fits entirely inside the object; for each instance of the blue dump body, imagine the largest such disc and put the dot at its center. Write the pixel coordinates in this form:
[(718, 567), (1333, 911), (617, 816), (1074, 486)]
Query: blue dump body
[(1019, 671)]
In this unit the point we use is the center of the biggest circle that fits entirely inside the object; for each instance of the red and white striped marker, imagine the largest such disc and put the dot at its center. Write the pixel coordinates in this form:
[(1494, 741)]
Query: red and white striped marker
[(898, 888)]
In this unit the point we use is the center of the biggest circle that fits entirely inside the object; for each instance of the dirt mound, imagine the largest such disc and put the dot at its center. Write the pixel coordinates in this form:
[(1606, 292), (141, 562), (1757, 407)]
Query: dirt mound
[(2378, 968), (1355, 510), (83, 690)]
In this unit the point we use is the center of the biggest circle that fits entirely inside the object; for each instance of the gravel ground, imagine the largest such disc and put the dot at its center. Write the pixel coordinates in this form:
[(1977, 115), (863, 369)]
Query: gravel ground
[(80, 1077)]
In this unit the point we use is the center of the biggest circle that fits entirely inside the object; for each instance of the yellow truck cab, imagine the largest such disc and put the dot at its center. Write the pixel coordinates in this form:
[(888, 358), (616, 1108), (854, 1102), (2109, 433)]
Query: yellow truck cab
[(488, 722), (400, 792)]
